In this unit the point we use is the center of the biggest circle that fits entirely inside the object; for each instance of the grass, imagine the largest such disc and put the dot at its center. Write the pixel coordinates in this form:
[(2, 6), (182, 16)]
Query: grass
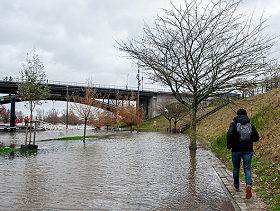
[(264, 112), (162, 123), (17, 151), (14, 151), (76, 138)]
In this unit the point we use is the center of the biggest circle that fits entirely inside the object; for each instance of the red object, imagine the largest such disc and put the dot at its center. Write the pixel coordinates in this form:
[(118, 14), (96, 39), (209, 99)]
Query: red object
[(176, 130), (26, 119), (17, 120)]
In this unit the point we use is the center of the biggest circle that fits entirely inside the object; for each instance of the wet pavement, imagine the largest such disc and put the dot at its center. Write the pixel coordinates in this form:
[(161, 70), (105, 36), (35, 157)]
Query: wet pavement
[(145, 171)]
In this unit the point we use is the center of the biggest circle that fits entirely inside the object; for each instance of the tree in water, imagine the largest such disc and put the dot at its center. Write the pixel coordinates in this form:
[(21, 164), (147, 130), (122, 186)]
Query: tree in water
[(32, 87), (84, 105), (200, 51)]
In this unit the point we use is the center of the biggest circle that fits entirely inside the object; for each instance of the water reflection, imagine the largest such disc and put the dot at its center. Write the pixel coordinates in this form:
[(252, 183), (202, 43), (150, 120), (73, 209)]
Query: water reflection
[(145, 171)]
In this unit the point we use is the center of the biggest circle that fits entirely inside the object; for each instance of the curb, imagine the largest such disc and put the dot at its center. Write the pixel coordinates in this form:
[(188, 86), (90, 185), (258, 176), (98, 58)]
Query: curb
[(237, 197)]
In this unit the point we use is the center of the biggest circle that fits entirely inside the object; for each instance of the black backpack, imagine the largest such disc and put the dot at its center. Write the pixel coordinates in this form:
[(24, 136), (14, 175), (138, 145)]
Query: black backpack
[(244, 132)]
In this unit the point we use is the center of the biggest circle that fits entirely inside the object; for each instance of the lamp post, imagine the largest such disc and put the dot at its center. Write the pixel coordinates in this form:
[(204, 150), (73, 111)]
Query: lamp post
[(139, 82)]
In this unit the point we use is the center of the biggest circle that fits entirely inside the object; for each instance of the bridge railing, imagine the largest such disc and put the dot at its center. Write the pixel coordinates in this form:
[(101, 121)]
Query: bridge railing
[(10, 79)]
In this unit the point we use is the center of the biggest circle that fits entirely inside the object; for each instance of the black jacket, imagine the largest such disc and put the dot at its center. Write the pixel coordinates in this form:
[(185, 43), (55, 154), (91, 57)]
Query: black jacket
[(233, 135)]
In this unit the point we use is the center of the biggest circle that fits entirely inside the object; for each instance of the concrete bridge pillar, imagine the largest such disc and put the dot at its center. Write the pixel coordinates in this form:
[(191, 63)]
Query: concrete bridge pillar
[(149, 105), (12, 112)]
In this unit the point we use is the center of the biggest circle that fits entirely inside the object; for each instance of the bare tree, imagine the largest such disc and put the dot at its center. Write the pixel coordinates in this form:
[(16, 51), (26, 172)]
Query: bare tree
[(164, 109), (84, 105), (103, 118), (179, 112), (73, 119), (173, 111), (51, 116), (128, 112), (201, 50), (40, 114), (246, 87), (271, 77)]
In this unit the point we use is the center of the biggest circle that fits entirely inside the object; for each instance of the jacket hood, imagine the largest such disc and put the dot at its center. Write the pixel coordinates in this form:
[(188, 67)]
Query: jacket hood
[(241, 119)]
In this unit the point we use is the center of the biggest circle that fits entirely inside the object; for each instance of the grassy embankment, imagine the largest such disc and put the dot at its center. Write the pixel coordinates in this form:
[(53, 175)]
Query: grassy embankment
[(264, 112)]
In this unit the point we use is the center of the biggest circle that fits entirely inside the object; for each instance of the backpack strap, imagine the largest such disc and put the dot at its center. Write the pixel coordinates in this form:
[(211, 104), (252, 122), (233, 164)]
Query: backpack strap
[(250, 127), (238, 125)]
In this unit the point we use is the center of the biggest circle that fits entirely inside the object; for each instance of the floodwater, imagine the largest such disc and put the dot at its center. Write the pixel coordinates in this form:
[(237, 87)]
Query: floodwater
[(144, 171)]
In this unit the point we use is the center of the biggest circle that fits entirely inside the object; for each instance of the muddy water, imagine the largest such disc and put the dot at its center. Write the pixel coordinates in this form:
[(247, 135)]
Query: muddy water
[(145, 171)]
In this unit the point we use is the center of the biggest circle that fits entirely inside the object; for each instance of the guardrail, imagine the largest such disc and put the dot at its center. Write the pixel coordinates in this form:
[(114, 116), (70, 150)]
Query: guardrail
[(104, 86)]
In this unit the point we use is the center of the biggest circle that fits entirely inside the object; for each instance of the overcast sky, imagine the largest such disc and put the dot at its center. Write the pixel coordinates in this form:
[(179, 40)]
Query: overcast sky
[(75, 38)]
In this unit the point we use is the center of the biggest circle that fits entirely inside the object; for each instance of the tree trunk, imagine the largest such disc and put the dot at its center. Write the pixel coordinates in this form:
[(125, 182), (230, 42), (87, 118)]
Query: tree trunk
[(170, 129), (31, 118), (193, 129), (26, 137), (85, 127), (34, 132)]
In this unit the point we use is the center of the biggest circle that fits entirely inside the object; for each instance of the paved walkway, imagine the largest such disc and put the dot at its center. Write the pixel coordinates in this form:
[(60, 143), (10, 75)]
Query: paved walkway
[(238, 197)]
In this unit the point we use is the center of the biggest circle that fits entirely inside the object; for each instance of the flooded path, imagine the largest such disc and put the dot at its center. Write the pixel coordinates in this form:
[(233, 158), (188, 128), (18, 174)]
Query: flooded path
[(145, 171)]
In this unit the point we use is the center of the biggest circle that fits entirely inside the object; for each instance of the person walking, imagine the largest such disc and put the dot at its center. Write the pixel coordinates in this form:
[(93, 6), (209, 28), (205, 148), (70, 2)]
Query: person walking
[(240, 137)]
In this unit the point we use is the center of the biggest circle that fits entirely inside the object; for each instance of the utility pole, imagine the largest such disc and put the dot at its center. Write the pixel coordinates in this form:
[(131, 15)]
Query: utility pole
[(139, 82), (67, 108)]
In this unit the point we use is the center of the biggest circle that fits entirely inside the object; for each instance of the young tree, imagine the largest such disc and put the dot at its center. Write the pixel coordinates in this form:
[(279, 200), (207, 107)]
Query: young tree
[(165, 109), (128, 112), (105, 118), (32, 86), (84, 105), (201, 50), (173, 111), (179, 112)]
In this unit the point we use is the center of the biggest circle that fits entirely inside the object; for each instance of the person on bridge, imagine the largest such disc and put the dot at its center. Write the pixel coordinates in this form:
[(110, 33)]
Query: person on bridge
[(241, 148)]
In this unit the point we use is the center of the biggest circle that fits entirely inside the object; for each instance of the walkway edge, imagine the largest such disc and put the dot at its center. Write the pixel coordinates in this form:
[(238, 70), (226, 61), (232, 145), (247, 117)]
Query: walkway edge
[(238, 197), (235, 206)]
